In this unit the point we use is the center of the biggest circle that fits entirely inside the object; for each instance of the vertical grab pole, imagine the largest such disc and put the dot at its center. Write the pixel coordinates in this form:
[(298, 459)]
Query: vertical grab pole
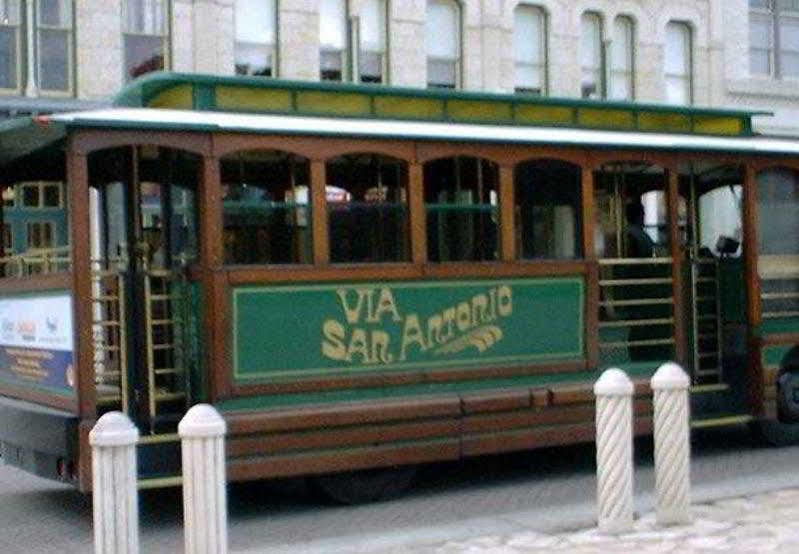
[(672, 445), (614, 453), (202, 434), (116, 510)]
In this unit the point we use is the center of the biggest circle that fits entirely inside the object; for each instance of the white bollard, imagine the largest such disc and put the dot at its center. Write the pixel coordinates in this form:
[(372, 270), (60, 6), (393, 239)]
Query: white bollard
[(202, 434), (672, 445), (115, 501), (614, 452)]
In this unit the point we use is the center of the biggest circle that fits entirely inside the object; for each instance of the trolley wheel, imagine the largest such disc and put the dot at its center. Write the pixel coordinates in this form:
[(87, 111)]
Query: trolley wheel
[(368, 485)]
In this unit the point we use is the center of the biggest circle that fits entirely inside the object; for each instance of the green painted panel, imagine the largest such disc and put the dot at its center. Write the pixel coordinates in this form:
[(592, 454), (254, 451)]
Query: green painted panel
[(777, 325), (284, 331), (773, 355)]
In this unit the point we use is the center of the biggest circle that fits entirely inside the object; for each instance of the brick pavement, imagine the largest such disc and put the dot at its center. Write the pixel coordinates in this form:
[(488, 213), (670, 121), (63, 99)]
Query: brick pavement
[(754, 524)]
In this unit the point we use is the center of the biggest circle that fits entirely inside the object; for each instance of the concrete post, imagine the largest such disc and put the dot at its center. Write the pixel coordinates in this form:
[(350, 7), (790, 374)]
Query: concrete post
[(614, 453), (672, 445), (202, 434), (116, 510)]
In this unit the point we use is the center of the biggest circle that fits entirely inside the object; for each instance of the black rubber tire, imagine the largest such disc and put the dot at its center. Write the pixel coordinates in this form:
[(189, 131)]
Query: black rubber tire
[(368, 485), (787, 398)]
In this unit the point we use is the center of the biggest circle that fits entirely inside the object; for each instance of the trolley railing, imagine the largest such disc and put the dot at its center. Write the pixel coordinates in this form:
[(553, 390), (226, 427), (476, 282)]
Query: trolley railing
[(636, 319), (40, 261), (706, 321)]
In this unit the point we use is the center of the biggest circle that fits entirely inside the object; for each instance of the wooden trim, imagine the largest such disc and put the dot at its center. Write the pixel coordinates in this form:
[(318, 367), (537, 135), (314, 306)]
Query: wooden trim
[(526, 439), (342, 414), (418, 216), (86, 141), (502, 154), (588, 217), (209, 207), (780, 338), (317, 148), (85, 455), (507, 219), (374, 380), (754, 370), (675, 245), (37, 283), (29, 394), (496, 401), (218, 328), (601, 157), (343, 460), (319, 225), (253, 275), (79, 229)]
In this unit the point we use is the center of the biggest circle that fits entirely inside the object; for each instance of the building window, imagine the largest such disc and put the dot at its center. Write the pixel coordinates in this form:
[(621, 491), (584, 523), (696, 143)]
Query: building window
[(372, 41), (774, 38), (10, 45), (54, 43), (678, 63), (256, 37), (591, 57), (145, 36), (443, 43), (41, 234), (621, 59), (41, 195), (333, 40), (530, 50)]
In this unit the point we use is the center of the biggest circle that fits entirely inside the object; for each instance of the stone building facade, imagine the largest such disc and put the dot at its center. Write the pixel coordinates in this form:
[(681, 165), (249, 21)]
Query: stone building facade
[(711, 50)]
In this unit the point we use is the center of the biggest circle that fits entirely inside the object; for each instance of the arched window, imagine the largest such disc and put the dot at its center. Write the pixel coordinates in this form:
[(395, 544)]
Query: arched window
[(443, 44), (622, 59), (547, 211), (461, 201), (372, 59), (591, 58), (678, 66), (367, 207), (530, 49), (256, 37), (265, 208)]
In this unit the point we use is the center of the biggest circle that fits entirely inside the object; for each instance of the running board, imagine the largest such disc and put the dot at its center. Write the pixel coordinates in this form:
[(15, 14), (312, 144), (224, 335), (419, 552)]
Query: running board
[(721, 421)]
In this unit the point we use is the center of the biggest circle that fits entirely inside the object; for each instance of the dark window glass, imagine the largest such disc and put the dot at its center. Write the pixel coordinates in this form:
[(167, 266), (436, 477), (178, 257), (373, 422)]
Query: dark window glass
[(547, 210), (30, 196), (367, 209), (52, 196), (54, 55), (266, 208), (462, 212)]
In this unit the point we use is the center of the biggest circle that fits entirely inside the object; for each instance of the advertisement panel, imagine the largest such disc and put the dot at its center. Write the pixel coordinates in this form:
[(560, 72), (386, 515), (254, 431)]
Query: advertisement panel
[(36, 342), (280, 331)]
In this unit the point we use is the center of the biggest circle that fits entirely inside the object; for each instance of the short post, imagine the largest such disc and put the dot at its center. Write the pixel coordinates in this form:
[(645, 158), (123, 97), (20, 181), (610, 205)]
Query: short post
[(115, 501), (202, 434), (614, 452), (672, 445)]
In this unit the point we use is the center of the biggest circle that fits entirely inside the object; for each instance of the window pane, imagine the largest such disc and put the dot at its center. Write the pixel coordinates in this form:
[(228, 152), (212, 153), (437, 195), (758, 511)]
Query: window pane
[(30, 196), (677, 90), (371, 67), (143, 54), (255, 22), (591, 55), (789, 46), (265, 207), (52, 196), (373, 26), (462, 212), (547, 206), (8, 57), (677, 48), (529, 48), (145, 17), (367, 209), (441, 73), (332, 24), (778, 207), (442, 30), (54, 59), (55, 13), (621, 85)]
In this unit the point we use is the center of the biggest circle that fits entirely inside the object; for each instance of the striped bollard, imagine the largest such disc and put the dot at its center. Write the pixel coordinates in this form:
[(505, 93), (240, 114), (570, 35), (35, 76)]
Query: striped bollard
[(672, 445), (115, 501), (614, 453), (202, 435)]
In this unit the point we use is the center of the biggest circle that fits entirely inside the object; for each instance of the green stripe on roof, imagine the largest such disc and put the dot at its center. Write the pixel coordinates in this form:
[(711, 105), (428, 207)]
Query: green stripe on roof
[(265, 95)]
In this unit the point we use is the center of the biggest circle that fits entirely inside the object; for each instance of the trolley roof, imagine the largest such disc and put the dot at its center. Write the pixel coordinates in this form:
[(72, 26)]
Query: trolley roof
[(232, 104)]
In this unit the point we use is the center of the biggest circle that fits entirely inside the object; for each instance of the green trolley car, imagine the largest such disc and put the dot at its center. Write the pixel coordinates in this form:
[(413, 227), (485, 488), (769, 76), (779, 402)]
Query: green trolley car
[(370, 278)]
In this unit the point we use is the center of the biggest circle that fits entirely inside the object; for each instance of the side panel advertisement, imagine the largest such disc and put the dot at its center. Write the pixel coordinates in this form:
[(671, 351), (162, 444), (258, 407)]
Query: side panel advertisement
[(36, 342)]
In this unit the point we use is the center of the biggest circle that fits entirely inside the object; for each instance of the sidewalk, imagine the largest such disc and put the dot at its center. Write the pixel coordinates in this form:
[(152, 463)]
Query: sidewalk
[(759, 523)]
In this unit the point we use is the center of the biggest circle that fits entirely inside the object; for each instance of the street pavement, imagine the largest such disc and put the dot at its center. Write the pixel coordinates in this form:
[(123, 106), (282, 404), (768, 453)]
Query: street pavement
[(758, 523)]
